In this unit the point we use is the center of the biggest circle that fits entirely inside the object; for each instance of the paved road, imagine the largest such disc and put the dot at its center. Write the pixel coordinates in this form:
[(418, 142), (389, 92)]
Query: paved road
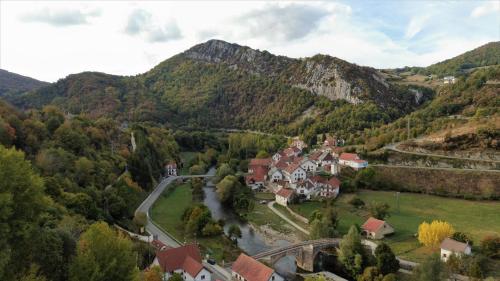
[(218, 272), (281, 215), (393, 146)]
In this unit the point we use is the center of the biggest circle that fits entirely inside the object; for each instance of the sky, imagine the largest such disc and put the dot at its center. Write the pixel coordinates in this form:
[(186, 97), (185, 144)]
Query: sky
[(49, 40)]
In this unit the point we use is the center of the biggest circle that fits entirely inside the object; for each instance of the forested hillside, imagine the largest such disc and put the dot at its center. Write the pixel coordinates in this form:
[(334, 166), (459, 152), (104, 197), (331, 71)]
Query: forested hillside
[(12, 83), (222, 85), (60, 173)]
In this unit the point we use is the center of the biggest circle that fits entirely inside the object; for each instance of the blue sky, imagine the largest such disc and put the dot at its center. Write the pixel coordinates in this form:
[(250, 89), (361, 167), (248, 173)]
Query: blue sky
[(49, 40)]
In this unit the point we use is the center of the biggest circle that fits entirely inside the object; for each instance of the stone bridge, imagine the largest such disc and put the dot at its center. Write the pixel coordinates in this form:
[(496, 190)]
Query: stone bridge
[(304, 252)]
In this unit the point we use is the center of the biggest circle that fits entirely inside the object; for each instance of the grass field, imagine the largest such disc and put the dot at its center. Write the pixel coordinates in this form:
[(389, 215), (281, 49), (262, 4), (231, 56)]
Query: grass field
[(262, 215), (167, 212), (186, 158), (473, 217)]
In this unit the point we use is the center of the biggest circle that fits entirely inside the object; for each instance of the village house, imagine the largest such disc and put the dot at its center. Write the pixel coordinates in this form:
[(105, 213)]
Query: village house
[(254, 163), (328, 188), (246, 268), (305, 188), (352, 160), (284, 196), (308, 165), (452, 247), (294, 173), (274, 174), (171, 168), (278, 155), (257, 177), (158, 245), (185, 260), (322, 158), (376, 229), (292, 151), (335, 168)]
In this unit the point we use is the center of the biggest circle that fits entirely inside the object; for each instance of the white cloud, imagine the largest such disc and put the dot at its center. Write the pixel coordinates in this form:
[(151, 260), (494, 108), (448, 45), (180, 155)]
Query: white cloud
[(491, 7), (123, 40), (416, 25), (61, 17), (142, 22)]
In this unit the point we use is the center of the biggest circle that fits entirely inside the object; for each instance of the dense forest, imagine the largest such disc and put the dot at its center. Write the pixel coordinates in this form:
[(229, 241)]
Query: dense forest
[(60, 174)]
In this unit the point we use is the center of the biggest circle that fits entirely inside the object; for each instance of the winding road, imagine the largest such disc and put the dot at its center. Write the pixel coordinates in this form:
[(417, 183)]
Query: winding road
[(218, 272)]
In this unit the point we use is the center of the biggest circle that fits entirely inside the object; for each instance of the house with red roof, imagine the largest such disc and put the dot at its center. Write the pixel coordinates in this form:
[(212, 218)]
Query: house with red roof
[(256, 179), (185, 260), (284, 196), (256, 162), (278, 155), (246, 268), (292, 151), (294, 172), (376, 229), (171, 168), (305, 188), (352, 160), (328, 188)]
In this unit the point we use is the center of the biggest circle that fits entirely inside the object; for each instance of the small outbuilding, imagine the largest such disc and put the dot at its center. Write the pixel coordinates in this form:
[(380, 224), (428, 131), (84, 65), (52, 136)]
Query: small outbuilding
[(376, 229), (453, 247), (284, 196)]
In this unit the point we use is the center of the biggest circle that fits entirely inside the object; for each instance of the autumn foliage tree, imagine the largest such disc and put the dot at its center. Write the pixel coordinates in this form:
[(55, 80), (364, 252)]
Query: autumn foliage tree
[(432, 234)]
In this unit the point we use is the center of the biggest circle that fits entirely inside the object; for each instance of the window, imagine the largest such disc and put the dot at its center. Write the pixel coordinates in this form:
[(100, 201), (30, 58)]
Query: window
[(444, 255), (272, 278), (203, 277)]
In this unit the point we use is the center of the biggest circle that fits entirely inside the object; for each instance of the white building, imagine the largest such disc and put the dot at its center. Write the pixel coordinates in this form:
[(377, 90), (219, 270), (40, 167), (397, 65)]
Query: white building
[(284, 196), (275, 175), (452, 247), (294, 173), (305, 188), (308, 166), (352, 160), (171, 169), (246, 268)]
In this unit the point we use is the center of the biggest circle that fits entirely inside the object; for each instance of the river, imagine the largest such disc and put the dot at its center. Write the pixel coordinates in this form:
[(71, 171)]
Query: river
[(251, 242)]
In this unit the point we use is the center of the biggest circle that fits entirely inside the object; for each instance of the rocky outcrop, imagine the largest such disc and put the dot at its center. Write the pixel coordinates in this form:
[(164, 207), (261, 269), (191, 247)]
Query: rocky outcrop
[(321, 75)]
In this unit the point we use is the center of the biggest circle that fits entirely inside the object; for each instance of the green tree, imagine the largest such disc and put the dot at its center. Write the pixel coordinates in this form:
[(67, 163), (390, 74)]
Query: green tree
[(462, 237), (351, 252), (432, 269), (234, 232), (153, 274), (102, 254), (386, 260), (226, 189), (490, 246), (379, 210), (175, 277), (262, 154), (223, 171), (22, 205), (371, 273)]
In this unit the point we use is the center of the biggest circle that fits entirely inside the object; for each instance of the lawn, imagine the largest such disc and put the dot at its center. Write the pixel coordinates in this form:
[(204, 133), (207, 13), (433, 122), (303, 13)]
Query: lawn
[(264, 196), (167, 212), (262, 215), (477, 218), (186, 158)]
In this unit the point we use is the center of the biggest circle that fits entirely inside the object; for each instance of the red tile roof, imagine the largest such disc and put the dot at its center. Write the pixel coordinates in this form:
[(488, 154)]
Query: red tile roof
[(349, 156), (251, 269), (372, 224), (171, 164), (285, 193), (315, 156), (453, 245), (258, 175), (175, 258), (260, 162), (334, 182), (292, 167), (191, 266)]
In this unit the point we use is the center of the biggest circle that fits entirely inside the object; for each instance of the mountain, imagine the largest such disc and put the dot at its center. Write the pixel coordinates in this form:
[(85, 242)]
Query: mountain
[(224, 85), (14, 83)]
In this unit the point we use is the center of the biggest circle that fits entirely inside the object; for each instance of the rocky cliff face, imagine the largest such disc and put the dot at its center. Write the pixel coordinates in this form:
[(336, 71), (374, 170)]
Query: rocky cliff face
[(322, 75)]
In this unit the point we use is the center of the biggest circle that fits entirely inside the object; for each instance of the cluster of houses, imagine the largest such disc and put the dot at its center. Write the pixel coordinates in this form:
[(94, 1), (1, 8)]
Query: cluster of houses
[(186, 260), (290, 172)]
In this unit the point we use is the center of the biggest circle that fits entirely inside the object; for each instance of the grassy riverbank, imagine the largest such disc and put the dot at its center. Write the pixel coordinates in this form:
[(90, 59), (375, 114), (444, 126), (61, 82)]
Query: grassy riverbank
[(167, 212)]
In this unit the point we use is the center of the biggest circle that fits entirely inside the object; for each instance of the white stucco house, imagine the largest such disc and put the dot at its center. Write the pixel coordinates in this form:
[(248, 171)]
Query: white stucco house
[(308, 165), (452, 247), (171, 169), (246, 268), (352, 160), (294, 173), (274, 174), (284, 196), (376, 229)]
